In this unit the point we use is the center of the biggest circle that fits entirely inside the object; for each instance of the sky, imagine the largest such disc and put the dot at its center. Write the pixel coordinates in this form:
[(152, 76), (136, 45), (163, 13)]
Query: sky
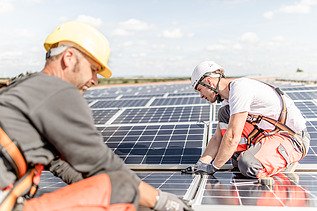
[(168, 38)]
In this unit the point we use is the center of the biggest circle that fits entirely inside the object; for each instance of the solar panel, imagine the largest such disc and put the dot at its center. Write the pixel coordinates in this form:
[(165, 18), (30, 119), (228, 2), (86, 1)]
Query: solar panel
[(182, 94), (102, 116), (156, 144), (300, 88), (307, 108), (172, 182), (304, 95), (49, 183), (231, 189), (310, 161), (119, 103), (164, 114), (99, 93), (178, 101), (141, 96)]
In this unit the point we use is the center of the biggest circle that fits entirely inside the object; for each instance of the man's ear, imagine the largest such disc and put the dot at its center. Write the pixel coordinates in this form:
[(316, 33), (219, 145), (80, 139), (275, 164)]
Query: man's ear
[(209, 80), (68, 58)]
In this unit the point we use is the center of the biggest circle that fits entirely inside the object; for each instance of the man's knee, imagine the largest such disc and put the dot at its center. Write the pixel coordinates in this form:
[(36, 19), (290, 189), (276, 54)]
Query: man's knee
[(123, 188), (224, 114), (249, 165)]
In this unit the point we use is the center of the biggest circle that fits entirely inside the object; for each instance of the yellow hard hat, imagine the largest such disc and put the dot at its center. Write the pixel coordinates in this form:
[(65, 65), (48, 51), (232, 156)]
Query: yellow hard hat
[(89, 40)]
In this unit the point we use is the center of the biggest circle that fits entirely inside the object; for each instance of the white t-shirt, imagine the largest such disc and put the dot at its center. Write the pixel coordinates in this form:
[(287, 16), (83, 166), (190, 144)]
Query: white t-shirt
[(255, 97)]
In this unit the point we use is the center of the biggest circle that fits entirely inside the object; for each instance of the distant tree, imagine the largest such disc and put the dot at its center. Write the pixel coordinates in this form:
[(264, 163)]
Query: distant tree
[(299, 70)]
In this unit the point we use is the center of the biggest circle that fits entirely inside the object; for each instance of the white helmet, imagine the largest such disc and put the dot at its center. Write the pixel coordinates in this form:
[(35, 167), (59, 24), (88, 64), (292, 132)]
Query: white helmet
[(205, 68)]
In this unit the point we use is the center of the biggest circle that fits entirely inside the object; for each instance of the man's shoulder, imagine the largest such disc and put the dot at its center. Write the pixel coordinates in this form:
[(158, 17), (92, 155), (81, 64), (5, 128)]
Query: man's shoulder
[(41, 78)]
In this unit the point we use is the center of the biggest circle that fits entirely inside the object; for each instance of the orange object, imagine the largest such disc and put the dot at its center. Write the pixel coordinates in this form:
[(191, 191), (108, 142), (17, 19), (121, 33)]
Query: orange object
[(15, 155), (271, 157), (90, 194)]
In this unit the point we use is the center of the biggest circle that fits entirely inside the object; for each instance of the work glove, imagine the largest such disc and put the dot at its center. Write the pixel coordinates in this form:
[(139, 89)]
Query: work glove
[(170, 202), (200, 168)]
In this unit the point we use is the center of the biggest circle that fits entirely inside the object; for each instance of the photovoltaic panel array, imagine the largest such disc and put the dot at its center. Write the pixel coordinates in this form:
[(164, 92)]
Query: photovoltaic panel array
[(178, 101), (119, 103), (141, 96), (183, 94), (103, 116), (310, 160), (294, 88), (307, 108), (173, 182), (302, 95), (156, 144), (227, 188), (164, 114)]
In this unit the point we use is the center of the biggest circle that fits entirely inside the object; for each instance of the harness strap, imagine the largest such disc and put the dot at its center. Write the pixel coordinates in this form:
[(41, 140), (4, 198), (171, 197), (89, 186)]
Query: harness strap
[(21, 187), (13, 154), (257, 133), (279, 124), (28, 180)]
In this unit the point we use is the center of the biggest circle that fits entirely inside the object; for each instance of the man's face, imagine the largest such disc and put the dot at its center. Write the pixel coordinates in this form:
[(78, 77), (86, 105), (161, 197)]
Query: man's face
[(83, 73), (206, 93)]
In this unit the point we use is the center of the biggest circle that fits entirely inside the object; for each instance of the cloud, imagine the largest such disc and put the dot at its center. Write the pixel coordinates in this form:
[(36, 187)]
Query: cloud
[(23, 33), (268, 15), (301, 7), (5, 7), (134, 25), (129, 27), (96, 22), (216, 47), (174, 33), (304, 6), (249, 37), (225, 45), (122, 32)]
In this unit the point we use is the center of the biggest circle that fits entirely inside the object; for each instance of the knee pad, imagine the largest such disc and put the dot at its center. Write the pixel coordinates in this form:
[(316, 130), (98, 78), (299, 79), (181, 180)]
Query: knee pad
[(249, 165)]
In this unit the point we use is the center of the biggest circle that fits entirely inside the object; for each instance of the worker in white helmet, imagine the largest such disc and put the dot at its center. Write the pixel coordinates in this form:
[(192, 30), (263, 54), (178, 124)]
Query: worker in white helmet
[(259, 129), (45, 123)]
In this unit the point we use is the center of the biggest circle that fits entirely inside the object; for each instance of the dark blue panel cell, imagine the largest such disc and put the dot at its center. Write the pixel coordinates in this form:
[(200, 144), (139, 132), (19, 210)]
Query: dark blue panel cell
[(192, 144), (171, 159), (178, 137), (159, 144), (138, 151), (173, 151), (189, 159), (179, 144), (133, 159), (192, 151), (153, 151), (149, 132), (195, 137), (152, 159)]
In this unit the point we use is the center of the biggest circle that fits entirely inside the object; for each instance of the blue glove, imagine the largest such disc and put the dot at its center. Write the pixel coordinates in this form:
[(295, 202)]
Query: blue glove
[(170, 202), (200, 168)]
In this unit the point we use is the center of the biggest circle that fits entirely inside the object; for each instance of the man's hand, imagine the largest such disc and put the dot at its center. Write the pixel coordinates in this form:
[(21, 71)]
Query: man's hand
[(200, 168), (170, 202)]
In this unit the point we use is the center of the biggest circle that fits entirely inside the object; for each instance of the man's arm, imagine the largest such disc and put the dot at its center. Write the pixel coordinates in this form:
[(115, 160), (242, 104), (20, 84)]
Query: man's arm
[(231, 139), (212, 147), (63, 170)]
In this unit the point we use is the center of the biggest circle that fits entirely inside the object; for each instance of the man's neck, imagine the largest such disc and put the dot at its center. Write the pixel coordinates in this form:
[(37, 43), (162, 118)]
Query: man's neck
[(224, 87)]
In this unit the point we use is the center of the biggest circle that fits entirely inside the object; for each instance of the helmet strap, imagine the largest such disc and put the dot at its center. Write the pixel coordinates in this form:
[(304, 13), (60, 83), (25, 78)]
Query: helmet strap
[(215, 90)]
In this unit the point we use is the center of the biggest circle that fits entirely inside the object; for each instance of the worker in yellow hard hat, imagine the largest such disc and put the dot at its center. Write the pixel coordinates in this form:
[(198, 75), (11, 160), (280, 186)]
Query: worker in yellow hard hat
[(52, 128)]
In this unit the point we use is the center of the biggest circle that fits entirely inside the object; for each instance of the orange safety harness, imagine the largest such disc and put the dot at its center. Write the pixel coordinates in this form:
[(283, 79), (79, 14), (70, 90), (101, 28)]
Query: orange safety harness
[(28, 179), (258, 133)]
